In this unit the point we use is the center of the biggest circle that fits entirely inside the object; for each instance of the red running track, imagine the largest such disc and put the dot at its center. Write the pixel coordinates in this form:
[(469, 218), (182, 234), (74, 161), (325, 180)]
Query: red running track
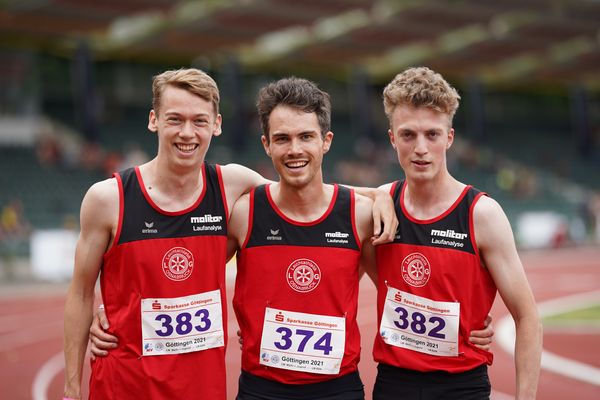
[(31, 333)]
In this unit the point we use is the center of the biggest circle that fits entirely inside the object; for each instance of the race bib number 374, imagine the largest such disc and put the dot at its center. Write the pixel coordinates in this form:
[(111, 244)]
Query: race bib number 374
[(420, 324), (302, 342), (182, 324)]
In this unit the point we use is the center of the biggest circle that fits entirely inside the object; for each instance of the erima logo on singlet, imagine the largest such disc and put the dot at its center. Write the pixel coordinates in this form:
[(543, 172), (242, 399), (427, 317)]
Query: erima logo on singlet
[(149, 228), (274, 235), (337, 237)]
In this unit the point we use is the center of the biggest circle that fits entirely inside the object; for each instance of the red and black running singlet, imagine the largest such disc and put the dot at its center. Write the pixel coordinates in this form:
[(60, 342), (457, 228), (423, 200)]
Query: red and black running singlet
[(163, 287), (432, 290), (296, 292)]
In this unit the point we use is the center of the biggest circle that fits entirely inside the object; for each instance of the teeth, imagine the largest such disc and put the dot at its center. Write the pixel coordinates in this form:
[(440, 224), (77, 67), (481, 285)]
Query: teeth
[(186, 147), (296, 164)]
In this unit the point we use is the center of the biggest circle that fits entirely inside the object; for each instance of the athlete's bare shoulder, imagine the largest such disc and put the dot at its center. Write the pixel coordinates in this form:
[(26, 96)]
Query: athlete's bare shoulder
[(101, 202), (492, 227), (386, 187), (238, 180), (487, 211), (105, 191), (239, 175)]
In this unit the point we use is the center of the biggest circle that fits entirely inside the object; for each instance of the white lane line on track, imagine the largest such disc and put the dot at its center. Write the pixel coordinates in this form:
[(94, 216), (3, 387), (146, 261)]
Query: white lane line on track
[(45, 375), (52, 367), (550, 361)]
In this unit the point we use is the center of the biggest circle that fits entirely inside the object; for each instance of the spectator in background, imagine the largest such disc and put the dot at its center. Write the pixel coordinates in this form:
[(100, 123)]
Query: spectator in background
[(14, 232), (48, 150), (132, 156), (595, 213)]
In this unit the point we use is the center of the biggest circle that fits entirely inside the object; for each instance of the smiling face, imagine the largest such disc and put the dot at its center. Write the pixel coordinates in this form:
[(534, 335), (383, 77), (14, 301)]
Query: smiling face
[(296, 146), (421, 136), (185, 124)]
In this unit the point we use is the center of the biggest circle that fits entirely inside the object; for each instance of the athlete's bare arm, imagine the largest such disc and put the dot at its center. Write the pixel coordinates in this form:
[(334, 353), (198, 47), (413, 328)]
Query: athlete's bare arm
[(99, 216), (237, 228), (238, 180), (384, 218), (499, 254), (364, 226)]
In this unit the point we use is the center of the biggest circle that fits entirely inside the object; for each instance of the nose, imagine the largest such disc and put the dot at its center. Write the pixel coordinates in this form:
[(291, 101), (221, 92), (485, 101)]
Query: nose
[(187, 130), (421, 145), (295, 147)]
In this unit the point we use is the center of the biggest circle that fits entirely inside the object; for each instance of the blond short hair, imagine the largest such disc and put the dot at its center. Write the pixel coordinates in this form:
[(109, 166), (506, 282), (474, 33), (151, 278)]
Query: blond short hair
[(420, 87), (193, 80)]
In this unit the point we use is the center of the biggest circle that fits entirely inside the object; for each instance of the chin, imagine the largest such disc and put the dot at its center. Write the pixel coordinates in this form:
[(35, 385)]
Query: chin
[(295, 181), (420, 176)]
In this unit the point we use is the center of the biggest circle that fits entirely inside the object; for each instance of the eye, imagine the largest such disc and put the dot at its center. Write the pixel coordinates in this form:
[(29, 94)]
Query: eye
[(201, 122)]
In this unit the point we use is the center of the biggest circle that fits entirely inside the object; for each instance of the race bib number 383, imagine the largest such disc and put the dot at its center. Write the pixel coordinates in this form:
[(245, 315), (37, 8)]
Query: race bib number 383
[(302, 342), (420, 324), (182, 324)]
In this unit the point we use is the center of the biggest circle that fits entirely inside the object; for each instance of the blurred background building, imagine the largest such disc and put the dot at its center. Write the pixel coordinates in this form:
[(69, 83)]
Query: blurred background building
[(75, 92)]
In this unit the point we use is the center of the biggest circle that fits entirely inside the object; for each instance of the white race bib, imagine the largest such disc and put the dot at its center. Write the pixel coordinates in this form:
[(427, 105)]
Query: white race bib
[(182, 324), (420, 324), (303, 342)]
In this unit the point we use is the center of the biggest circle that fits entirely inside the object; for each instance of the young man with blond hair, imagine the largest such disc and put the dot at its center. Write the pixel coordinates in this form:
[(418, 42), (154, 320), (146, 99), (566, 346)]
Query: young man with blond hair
[(156, 234), (454, 250)]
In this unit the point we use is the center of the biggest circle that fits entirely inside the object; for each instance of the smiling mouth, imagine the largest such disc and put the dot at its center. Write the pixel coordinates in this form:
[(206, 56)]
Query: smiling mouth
[(186, 148), (296, 164)]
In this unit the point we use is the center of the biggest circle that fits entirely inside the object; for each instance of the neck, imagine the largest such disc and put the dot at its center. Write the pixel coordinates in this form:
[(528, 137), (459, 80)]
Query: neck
[(171, 179), (431, 197), (304, 204)]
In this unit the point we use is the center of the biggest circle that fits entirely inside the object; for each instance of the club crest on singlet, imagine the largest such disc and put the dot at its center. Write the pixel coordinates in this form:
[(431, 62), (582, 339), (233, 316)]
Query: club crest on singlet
[(303, 275), (178, 263), (416, 270)]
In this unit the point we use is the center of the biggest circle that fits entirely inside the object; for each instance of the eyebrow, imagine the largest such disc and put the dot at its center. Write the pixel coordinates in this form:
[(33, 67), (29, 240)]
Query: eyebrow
[(169, 113), (311, 132)]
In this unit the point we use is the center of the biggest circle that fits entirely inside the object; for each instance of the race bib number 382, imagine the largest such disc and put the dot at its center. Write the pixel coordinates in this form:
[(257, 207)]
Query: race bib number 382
[(302, 342), (182, 324), (420, 324)]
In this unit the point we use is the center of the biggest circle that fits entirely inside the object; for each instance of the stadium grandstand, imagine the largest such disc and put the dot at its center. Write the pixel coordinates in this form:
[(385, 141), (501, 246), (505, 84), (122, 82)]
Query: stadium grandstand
[(75, 78)]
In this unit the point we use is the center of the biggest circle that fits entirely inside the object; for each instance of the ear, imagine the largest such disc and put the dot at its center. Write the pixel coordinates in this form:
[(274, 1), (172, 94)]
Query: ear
[(265, 144), (392, 138), (327, 141), (450, 138), (217, 127), (152, 122)]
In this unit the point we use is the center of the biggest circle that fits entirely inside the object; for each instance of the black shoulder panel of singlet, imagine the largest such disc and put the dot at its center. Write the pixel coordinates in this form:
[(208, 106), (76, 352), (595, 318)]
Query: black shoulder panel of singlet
[(141, 221), (270, 229), (450, 232)]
